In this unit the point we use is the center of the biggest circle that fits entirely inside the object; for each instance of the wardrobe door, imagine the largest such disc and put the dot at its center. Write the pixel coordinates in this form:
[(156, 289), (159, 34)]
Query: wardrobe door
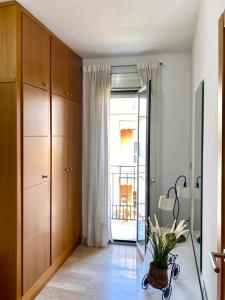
[(36, 54), (36, 184), (36, 223), (59, 68), (59, 174), (36, 105), (36, 160), (75, 77), (59, 216), (74, 175)]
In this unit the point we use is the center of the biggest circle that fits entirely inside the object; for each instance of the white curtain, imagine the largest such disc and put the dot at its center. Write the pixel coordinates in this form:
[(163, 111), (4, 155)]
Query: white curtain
[(95, 189), (152, 72)]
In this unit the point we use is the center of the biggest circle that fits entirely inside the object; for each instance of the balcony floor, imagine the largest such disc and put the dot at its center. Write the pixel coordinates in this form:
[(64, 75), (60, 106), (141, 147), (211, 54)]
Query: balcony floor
[(124, 230)]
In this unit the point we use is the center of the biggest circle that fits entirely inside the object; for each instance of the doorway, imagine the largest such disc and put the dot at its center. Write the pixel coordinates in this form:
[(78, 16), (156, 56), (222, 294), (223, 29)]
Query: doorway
[(123, 135), (143, 166), (130, 165)]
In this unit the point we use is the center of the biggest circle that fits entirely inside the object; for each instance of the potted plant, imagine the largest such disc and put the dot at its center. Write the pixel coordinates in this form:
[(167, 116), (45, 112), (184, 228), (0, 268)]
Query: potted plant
[(162, 242)]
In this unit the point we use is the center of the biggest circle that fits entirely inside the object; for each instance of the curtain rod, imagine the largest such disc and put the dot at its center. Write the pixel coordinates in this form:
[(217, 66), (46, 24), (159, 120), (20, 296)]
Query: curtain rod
[(130, 65)]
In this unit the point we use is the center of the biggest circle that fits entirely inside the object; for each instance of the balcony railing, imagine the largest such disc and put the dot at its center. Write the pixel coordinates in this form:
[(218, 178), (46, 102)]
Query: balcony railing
[(123, 192), (124, 212)]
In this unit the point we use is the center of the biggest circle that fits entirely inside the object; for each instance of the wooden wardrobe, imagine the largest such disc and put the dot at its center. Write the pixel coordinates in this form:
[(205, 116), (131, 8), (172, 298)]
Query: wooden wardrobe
[(40, 152)]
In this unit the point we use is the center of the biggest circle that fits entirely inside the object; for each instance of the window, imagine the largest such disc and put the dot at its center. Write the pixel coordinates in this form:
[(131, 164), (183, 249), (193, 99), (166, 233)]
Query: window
[(124, 78)]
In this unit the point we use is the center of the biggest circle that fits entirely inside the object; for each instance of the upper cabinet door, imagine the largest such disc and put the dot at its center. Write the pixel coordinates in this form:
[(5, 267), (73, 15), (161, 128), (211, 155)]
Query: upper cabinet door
[(36, 54), (59, 116), (75, 77), (59, 68), (36, 111)]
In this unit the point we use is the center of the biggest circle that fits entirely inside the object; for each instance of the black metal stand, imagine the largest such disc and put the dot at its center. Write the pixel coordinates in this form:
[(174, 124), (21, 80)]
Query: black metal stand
[(176, 208), (174, 273)]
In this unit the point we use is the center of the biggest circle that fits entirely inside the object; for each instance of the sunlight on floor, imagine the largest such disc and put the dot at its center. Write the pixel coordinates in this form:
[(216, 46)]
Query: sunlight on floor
[(94, 273), (124, 230)]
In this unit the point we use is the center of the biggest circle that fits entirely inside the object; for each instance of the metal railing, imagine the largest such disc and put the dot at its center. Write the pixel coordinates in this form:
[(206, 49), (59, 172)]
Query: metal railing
[(124, 205), (124, 212)]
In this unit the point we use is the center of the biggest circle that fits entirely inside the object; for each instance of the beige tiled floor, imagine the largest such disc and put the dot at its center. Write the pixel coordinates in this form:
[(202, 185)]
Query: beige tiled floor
[(92, 273), (115, 273)]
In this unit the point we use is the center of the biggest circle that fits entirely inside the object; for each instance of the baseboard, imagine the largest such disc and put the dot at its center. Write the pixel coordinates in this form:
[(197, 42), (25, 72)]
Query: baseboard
[(44, 279)]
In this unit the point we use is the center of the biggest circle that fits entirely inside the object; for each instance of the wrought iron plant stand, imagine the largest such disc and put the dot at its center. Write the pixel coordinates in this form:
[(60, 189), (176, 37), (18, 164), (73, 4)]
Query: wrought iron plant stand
[(174, 270)]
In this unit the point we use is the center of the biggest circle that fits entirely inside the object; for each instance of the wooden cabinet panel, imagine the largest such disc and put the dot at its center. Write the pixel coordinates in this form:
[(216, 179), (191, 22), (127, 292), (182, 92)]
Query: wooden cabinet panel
[(73, 234), (59, 156), (75, 77), (36, 210), (74, 189), (8, 46), (36, 111), (36, 160), (36, 54), (74, 154), (74, 208), (59, 68), (75, 136), (75, 119), (36, 258), (59, 216), (36, 233), (10, 190), (59, 196), (74, 175), (59, 116), (59, 175), (79, 80)]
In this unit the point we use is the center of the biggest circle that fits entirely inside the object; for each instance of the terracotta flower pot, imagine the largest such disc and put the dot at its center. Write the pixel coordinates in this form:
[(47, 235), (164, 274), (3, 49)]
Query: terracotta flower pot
[(157, 278)]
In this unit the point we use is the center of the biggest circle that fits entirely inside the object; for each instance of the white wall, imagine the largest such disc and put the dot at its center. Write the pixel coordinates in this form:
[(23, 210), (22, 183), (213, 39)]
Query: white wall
[(205, 67), (175, 149)]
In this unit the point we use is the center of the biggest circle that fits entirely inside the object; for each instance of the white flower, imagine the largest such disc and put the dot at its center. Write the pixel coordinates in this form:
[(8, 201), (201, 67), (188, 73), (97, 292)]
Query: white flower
[(156, 223), (173, 227), (150, 222), (180, 225), (181, 229)]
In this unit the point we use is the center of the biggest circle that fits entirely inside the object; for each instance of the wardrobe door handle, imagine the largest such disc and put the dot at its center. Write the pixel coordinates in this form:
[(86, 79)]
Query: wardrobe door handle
[(44, 176)]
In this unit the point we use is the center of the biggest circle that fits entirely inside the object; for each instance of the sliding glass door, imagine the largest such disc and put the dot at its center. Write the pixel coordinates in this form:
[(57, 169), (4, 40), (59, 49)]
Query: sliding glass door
[(143, 165)]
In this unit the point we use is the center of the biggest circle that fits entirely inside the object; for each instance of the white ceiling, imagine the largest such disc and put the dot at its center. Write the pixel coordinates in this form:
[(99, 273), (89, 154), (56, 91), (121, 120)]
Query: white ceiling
[(102, 28)]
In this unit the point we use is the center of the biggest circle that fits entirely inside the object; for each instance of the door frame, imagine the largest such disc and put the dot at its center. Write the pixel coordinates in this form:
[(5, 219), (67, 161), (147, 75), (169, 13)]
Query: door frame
[(221, 116), (148, 152), (132, 91), (146, 88)]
